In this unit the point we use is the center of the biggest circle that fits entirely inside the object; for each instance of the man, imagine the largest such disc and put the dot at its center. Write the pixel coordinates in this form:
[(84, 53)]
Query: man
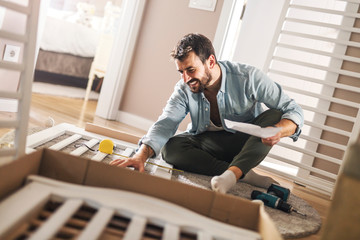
[(211, 91)]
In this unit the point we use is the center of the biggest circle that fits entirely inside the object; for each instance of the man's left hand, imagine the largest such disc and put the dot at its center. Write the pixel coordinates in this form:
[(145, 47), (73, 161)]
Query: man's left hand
[(271, 141)]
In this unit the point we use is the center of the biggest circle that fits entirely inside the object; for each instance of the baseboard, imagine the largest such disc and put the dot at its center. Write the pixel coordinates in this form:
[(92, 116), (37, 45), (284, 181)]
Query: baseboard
[(134, 120)]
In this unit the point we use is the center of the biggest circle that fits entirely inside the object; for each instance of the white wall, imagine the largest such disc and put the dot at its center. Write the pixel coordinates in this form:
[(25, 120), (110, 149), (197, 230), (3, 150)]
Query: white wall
[(257, 30)]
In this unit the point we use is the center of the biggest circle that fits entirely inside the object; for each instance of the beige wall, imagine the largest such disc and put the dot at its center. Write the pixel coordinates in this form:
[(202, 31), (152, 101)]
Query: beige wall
[(152, 74)]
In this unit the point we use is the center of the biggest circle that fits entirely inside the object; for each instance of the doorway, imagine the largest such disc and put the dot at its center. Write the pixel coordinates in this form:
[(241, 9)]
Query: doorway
[(66, 61)]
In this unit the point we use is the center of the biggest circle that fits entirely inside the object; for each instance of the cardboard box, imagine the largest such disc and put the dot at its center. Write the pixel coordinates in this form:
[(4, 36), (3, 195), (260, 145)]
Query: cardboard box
[(64, 167)]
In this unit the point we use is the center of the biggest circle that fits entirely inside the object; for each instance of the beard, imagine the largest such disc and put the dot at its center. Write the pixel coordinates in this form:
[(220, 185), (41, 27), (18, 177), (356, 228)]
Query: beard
[(196, 85)]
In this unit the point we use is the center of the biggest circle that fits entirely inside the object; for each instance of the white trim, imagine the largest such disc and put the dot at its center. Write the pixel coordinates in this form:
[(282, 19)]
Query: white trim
[(119, 61), (277, 32), (223, 25), (134, 120)]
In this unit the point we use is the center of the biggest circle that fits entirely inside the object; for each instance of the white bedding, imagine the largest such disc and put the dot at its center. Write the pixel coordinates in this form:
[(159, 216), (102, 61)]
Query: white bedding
[(63, 34)]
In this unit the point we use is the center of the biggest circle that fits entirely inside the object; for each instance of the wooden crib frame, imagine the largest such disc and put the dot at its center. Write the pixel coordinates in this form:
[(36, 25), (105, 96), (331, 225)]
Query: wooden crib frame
[(84, 212), (93, 134)]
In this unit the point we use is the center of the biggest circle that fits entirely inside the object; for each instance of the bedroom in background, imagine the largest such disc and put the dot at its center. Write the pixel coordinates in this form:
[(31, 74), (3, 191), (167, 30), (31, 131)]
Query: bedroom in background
[(76, 58)]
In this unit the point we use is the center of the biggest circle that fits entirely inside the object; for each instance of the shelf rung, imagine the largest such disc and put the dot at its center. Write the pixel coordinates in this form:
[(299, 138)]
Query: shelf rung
[(14, 37), (10, 95), (9, 123), (12, 66), (16, 7), (7, 152)]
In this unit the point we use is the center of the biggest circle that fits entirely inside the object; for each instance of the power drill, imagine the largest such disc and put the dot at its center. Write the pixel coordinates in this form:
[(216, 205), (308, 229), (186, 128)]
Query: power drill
[(277, 199), (279, 191)]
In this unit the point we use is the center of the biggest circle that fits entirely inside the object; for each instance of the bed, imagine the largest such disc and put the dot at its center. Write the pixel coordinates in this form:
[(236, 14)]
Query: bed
[(67, 48)]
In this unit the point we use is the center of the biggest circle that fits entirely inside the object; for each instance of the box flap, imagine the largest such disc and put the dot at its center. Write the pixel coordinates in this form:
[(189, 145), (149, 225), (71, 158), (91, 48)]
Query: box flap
[(63, 166), (236, 211), (193, 198), (13, 174)]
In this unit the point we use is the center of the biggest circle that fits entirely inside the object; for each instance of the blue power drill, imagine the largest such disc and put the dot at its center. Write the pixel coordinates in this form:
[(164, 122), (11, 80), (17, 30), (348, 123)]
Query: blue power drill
[(276, 197)]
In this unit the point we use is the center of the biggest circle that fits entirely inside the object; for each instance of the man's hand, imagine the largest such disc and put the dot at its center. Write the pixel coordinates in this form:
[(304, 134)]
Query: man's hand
[(136, 162), (288, 128), (271, 141)]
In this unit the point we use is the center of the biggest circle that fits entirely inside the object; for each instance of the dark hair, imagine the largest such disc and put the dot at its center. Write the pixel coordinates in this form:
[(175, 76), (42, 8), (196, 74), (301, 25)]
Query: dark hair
[(198, 43)]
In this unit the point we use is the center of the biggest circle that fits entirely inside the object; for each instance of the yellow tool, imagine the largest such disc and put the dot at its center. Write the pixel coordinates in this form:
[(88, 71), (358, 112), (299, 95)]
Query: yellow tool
[(107, 146)]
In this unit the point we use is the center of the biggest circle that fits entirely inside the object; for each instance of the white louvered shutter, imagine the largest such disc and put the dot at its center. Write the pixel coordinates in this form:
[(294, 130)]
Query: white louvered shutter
[(315, 56)]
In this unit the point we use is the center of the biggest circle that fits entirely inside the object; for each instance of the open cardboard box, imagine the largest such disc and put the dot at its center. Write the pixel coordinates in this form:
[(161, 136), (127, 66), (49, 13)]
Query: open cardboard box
[(64, 167)]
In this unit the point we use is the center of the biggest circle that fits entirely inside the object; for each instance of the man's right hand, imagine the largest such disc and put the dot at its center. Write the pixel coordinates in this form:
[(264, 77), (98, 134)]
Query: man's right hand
[(137, 161)]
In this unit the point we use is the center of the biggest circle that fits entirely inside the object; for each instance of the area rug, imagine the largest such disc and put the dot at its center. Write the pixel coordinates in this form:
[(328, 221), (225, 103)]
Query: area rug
[(62, 91), (290, 225)]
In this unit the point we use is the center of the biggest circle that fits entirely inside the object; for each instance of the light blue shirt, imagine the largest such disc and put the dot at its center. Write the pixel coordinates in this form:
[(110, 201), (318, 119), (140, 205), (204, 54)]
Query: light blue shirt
[(243, 89)]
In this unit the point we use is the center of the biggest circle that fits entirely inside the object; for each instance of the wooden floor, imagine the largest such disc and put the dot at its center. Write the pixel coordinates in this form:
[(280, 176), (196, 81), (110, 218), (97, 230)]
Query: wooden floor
[(78, 112)]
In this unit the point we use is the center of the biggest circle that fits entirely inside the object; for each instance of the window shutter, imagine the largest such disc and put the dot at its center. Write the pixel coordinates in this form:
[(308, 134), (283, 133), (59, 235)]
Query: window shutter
[(315, 57)]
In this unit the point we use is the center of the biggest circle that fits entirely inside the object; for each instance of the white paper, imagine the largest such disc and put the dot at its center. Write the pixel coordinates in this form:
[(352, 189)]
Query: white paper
[(252, 129)]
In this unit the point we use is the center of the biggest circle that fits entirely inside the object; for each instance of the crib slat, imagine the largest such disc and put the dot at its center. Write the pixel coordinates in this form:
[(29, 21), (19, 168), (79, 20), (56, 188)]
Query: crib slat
[(99, 156), (57, 220), (82, 149), (204, 236), (171, 232), (97, 224), (128, 152), (14, 209), (136, 228), (65, 142)]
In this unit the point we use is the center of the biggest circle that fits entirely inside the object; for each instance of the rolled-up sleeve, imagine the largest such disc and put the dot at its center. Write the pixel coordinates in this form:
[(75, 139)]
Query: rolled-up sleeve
[(167, 124), (272, 95)]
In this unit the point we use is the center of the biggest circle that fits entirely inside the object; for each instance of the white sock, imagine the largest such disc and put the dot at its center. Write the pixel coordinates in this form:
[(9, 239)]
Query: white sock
[(224, 182), (258, 180)]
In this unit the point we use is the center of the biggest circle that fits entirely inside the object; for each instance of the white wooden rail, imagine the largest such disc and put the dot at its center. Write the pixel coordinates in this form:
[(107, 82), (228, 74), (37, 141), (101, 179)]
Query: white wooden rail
[(91, 140), (140, 210), (26, 70)]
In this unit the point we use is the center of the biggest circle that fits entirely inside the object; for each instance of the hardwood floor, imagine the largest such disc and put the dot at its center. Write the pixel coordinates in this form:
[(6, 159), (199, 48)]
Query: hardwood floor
[(78, 112)]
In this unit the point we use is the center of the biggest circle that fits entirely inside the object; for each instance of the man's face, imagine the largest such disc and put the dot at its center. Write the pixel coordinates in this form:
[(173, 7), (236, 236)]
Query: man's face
[(194, 73)]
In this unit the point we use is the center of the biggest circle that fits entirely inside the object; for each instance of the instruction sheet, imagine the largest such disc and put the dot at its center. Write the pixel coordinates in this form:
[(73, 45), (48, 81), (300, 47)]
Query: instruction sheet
[(252, 129)]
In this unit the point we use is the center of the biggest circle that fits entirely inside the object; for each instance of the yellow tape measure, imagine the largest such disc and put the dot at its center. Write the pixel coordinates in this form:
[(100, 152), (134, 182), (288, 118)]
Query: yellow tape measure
[(106, 146)]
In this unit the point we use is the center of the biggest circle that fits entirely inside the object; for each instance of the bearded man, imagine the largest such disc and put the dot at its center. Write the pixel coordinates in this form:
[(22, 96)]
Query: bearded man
[(212, 91)]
